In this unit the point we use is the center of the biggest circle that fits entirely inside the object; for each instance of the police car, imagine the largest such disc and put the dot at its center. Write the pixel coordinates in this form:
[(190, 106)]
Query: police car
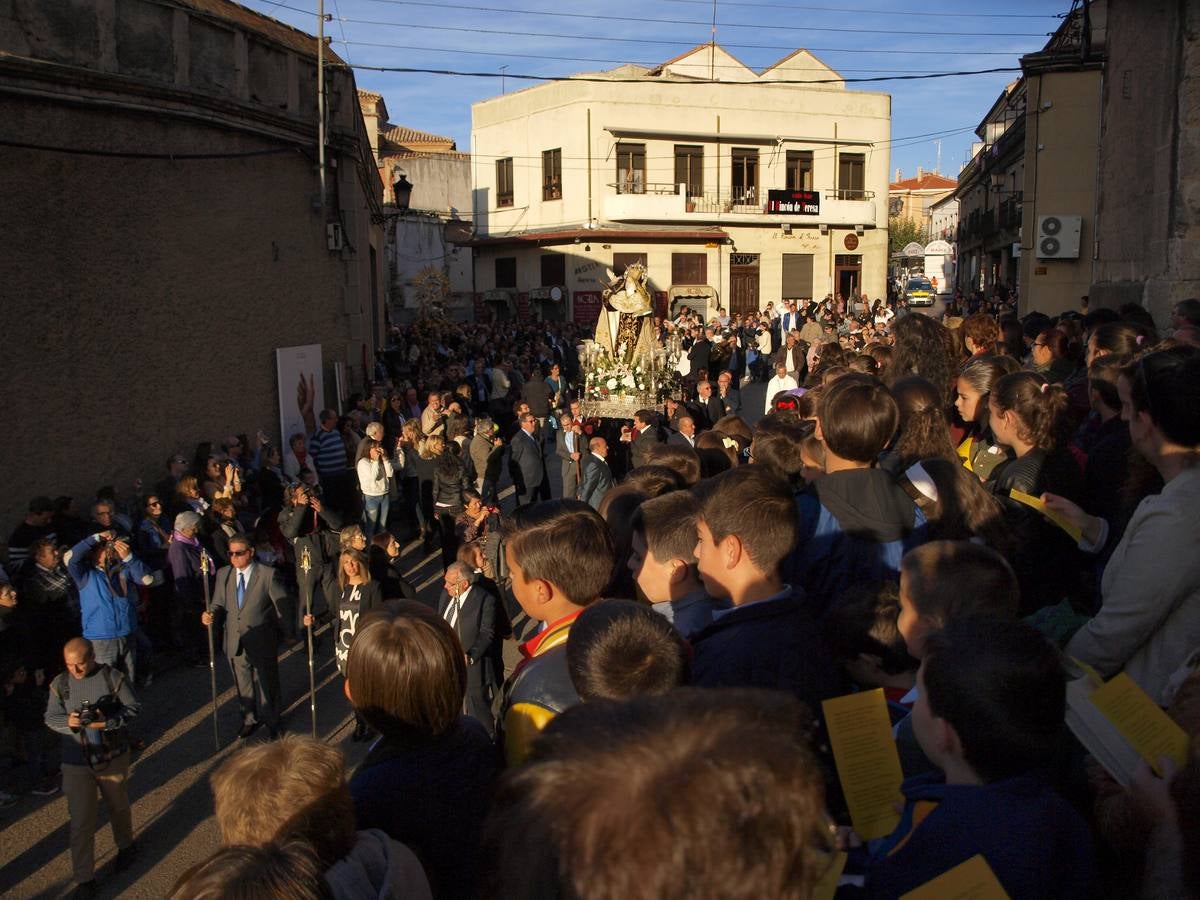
[(920, 292)]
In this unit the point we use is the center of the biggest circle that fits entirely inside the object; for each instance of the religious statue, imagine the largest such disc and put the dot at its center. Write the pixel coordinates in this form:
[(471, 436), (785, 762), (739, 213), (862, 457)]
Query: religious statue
[(625, 330)]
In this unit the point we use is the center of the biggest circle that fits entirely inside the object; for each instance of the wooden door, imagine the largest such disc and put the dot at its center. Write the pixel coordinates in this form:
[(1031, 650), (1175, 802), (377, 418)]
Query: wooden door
[(743, 290)]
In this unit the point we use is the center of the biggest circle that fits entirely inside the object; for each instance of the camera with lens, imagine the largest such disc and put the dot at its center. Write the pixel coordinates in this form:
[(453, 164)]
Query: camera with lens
[(87, 714)]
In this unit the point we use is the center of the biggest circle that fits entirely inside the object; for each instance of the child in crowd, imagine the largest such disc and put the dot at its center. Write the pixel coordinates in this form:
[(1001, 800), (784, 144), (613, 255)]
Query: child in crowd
[(287, 871), (427, 780), (295, 787), (863, 637), (621, 649), (746, 523), (992, 697), (945, 580), (663, 562), (939, 582), (1032, 419), (560, 555), (692, 794), (857, 522), (812, 459)]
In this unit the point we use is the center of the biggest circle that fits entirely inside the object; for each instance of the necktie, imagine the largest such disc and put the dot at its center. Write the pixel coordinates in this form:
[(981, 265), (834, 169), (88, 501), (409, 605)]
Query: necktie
[(241, 589)]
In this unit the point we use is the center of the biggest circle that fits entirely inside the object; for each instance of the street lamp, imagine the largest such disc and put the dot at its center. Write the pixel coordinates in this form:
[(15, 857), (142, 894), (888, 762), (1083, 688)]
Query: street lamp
[(402, 188)]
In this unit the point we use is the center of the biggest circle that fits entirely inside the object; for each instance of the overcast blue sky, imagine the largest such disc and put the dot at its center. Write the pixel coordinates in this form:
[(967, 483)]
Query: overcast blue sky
[(860, 39)]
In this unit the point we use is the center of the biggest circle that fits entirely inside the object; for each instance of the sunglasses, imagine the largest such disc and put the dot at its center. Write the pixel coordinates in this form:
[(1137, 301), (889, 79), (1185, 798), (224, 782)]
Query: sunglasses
[(239, 552)]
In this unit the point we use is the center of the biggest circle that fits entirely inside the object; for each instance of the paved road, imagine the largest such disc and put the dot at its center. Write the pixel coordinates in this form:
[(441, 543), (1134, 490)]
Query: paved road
[(172, 804)]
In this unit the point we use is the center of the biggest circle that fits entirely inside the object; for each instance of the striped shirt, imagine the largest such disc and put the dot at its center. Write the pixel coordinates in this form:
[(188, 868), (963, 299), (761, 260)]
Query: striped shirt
[(328, 451)]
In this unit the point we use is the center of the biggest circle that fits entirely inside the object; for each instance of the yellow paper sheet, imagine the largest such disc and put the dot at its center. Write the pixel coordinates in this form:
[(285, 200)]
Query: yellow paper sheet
[(827, 886), (1150, 730), (972, 880), (867, 762), (1036, 503), (1092, 674)]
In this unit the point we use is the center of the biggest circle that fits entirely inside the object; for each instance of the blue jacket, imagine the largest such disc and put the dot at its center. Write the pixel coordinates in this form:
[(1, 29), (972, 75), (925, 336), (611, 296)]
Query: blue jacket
[(855, 526), (106, 614), (1034, 841), (775, 644)]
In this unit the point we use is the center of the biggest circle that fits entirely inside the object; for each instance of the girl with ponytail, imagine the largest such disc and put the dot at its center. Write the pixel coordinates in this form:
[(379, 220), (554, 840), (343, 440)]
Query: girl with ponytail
[(1031, 418)]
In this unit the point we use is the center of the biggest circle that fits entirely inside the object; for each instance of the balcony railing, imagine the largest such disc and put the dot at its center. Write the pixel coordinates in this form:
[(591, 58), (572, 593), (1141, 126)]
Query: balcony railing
[(850, 194), (631, 201)]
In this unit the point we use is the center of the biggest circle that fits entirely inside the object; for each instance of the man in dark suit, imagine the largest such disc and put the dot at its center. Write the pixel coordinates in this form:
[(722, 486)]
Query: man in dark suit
[(527, 464), (470, 609), (644, 420), (714, 409), (481, 388), (792, 356), (730, 397), (568, 447), (597, 477), (700, 354), (310, 525), (247, 599), (685, 432)]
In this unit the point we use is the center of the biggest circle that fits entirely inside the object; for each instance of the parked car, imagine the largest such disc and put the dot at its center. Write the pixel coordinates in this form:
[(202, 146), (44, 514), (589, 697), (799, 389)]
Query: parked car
[(919, 291)]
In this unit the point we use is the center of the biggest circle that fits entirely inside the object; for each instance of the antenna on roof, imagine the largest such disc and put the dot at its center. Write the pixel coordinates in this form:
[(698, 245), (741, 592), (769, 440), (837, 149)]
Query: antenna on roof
[(712, 46)]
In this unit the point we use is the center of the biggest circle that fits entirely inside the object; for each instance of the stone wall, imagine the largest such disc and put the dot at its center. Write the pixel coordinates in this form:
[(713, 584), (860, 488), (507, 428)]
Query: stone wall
[(1149, 212), (143, 297)]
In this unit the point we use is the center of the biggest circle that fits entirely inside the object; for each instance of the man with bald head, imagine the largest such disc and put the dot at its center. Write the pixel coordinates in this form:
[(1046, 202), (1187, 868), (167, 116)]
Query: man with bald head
[(90, 705), (597, 476)]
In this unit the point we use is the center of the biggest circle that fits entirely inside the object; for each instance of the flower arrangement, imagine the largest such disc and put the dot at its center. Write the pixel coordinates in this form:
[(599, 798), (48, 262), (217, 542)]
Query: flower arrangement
[(609, 378)]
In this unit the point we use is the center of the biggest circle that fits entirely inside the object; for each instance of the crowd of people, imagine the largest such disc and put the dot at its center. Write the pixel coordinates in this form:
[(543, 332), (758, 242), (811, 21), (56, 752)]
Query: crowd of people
[(965, 513)]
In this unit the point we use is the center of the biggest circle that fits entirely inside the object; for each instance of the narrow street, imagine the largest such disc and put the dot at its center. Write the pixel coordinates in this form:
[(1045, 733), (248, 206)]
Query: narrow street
[(172, 806)]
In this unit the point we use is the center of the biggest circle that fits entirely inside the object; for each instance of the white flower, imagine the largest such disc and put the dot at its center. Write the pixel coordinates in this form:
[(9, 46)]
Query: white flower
[(628, 381), (612, 383)]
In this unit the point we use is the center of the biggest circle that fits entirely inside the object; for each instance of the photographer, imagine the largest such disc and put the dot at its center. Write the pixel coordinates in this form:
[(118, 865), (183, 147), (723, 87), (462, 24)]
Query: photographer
[(310, 525), (90, 705), (107, 575)]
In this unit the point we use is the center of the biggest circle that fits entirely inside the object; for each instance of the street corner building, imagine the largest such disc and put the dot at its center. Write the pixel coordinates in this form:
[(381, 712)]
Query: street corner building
[(732, 187), (167, 229)]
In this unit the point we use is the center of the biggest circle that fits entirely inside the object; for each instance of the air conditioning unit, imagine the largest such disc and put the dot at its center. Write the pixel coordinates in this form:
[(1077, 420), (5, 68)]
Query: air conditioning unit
[(335, 240), (1057, 237)]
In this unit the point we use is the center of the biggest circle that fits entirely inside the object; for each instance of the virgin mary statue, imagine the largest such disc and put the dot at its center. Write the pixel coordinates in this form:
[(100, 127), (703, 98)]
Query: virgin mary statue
[(624, 330)]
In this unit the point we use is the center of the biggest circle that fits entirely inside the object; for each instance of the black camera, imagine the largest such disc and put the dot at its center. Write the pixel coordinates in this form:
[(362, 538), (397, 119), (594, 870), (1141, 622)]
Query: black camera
[(87, 715)]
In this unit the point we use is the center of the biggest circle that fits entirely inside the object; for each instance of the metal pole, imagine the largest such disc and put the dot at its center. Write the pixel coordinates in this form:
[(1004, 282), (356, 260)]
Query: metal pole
[(205, 566), (321, 97), (306, 567)]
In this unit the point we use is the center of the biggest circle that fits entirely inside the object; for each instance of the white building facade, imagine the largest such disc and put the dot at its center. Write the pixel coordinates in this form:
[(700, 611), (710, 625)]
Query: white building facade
[(711, 174)]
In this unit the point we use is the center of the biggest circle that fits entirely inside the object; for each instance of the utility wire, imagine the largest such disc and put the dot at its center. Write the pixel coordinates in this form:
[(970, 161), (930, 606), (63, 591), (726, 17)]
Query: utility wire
[(906, 13), (414, 70), (757, 27), (616, 62), (603, 38)]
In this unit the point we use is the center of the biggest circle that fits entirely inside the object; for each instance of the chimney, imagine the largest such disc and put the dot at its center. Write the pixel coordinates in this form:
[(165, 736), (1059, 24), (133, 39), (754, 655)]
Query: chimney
[(920, 173)]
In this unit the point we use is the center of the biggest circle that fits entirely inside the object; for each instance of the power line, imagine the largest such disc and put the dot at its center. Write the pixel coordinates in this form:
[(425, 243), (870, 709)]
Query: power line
[(906, 13), (620, 40), (593, 59), (603, 38), (414, 70), (342, 27), (757, 27)]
